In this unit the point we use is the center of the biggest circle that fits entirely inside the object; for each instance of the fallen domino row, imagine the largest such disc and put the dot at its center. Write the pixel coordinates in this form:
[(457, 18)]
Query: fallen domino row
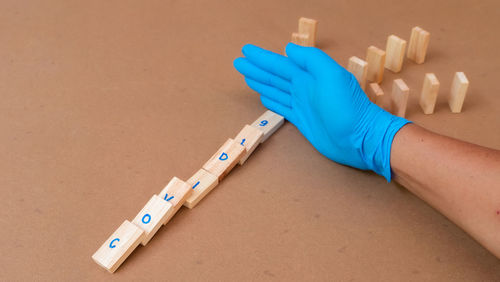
[(161, 208)]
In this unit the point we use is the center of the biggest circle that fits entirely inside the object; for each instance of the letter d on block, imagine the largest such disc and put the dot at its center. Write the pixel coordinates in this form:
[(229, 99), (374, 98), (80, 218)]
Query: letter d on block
[(223, 157)]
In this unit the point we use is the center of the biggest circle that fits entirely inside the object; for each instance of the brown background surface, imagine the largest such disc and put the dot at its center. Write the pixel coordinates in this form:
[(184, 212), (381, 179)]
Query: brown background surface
[(102, 102)]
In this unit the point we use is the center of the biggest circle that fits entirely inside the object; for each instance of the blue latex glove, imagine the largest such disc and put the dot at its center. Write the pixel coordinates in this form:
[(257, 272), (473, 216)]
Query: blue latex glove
[(325, 102)]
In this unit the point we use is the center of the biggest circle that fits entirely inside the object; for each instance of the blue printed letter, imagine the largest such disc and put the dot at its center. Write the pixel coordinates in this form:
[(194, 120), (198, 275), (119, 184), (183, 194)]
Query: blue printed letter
[(223, 157), (112, 241)]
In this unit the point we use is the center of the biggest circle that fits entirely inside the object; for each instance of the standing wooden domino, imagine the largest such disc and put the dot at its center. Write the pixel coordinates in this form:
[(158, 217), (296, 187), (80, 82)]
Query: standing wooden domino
[(221, 163), (202, 182), (308, 27), (458, 92), (429, 93), (399, 97), (375, 93), (176, 192), (359, 69), (417, 48), (375, 58), (300, 39), (152, 217), (118, 246), (249, 137), (268, 123), (394, 53)]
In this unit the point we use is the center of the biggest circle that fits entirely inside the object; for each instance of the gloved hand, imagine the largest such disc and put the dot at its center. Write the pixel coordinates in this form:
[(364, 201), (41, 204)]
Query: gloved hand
[(325, 102)]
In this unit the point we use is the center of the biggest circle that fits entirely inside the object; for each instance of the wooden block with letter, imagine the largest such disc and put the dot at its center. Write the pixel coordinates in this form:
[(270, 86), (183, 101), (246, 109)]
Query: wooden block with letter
[(301, 39), (399, 97), (249, 137), (221, 163), (429, 93), (268, 123), (394, 53), (375, 93), (176, 192), (458, 91), (359, 69), (118, 246), (308, 27), (152, 216), (375, 58), (417, 48), (202, 182)]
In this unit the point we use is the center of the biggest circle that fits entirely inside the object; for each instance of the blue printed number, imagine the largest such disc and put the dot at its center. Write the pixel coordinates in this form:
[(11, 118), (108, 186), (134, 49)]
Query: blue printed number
[(167, 198), (243, 141), (146, 218), (111, 245), (223, 157), (197, 183), (263, 122)]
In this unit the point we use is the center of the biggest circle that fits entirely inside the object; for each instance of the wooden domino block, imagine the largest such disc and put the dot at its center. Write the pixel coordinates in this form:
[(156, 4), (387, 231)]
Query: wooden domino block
[(394, 53), (176, 192), (359, 69), (308, 27), (417, 48), (458, 92), (152, 216), (221, 163), (202, 182), (429, 93), (375, 58), (268, 123), (118, 246), (301, 39), (249, 137), (375, 93), (399, 97)]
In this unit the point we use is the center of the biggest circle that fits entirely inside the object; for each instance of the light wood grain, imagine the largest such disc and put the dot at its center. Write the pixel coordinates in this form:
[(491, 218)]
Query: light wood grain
[(394, 53), (118, 246), (359, 69), (458, 91), (268, 123), (308, 27), (428, 96), (375, 58), (152, 216), (176, 192), (221, 163), (375, 93), (301, 39), (202, 182), (249, 137), (417, 47), (399, 97)]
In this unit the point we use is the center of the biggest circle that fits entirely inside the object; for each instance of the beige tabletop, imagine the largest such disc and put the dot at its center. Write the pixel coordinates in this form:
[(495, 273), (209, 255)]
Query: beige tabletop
[(102, 102)]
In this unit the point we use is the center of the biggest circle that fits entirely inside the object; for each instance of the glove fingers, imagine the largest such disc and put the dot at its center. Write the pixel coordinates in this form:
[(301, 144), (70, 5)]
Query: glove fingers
[(278, 108), (269, 92), (310, 59), (246, 68), (271, 62)]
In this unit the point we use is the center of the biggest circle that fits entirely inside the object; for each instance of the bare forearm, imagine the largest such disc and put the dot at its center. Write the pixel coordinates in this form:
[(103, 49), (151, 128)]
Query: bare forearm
[(459, 179)]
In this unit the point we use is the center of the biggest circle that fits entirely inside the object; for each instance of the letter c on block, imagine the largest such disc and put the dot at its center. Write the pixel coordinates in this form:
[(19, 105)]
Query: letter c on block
[(223, 157), (111, 245)]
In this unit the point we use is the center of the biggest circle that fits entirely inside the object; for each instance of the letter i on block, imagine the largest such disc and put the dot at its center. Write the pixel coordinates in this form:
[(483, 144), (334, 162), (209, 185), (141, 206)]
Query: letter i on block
[(249, 137), (429, 93), (308, 27), (202, 182), (221, 163), (417, 48), (359, 69), (268, 123), (394, 53), (152, 216), (458, 91), (176, 192), (399, 97), (119, 246)]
